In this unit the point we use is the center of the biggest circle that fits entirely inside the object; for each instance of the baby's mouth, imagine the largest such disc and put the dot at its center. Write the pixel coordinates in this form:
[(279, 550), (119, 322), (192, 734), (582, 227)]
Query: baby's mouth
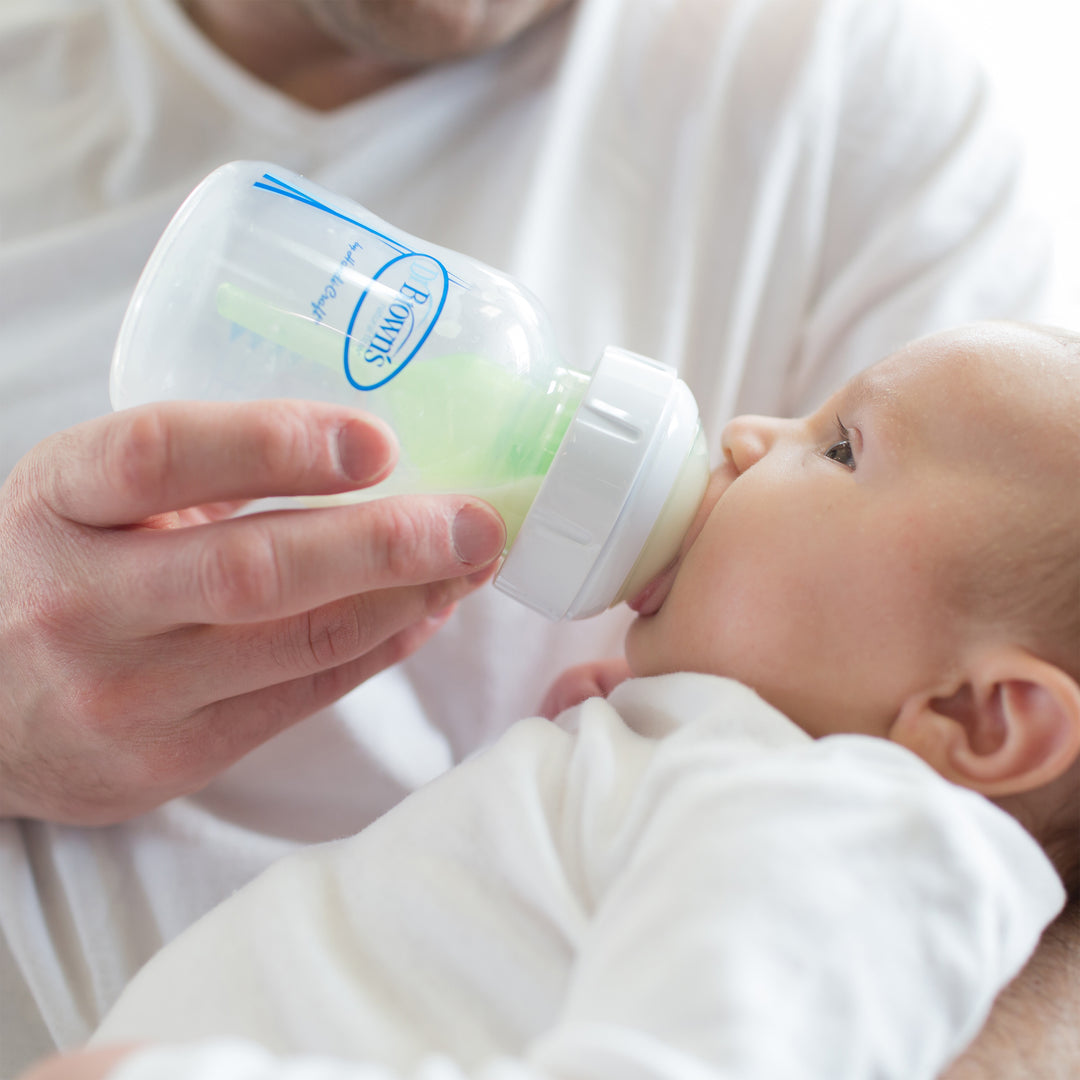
[(651, 598)]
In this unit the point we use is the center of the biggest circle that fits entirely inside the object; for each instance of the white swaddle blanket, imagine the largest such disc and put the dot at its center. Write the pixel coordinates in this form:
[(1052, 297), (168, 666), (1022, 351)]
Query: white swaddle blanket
[(676, 883)]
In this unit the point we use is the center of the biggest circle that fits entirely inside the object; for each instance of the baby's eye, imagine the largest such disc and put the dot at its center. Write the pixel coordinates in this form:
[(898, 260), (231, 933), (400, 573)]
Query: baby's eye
[(841, 450)]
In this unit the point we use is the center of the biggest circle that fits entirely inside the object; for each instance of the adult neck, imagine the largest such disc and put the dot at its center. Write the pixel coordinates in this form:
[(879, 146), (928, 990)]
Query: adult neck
[(280, 44)]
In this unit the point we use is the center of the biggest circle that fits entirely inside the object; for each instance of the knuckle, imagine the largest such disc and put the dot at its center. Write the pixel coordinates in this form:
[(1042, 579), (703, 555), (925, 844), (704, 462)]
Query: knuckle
[(401, 646), (104, 705), (402, 542), (330, 683), (239, 576), (439, 595), (55, 617), (20, 490), (113, 717), (56, 610), (137, 454), (332, 635), (284, 441), (39, 481)]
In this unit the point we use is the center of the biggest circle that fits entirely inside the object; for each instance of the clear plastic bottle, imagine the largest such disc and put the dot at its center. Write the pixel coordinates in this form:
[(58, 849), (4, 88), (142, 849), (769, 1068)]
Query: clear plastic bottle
[(267, 285)]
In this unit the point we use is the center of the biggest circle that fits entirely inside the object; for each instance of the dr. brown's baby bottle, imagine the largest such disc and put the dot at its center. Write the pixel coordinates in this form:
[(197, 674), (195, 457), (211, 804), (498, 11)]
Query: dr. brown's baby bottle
[(267, 285)]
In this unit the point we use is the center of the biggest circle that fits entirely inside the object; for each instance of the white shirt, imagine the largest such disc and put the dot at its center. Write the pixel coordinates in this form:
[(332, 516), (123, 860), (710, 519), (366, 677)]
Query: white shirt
[(769, 194), (676, 882)]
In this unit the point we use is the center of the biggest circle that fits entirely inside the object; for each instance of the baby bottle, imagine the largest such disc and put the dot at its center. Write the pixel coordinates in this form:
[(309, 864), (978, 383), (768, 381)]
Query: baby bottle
[(267, 285)]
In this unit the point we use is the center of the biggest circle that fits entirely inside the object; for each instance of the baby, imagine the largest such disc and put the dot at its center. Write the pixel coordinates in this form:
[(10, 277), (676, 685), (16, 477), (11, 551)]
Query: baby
[(904, 563), (813, 838)]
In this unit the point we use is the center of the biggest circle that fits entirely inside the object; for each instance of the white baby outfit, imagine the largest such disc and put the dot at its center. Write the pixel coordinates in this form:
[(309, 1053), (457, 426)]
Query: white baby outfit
[(677, 882)]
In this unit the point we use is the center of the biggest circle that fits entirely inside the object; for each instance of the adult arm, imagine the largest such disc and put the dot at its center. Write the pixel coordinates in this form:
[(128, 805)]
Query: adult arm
[(148, 639), (1036, 1018)]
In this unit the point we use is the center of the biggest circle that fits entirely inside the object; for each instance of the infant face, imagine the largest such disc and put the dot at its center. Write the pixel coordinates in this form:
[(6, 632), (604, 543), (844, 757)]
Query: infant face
[(815, 569)]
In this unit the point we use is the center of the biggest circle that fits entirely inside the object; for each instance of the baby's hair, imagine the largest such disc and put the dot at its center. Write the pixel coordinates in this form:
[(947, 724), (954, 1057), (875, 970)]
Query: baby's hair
[(1035, 593), (1044, 612), (1031, 590)]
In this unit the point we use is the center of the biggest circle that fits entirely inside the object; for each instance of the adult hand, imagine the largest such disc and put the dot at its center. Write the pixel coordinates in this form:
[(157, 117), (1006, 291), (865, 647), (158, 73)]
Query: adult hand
[(146, 645)]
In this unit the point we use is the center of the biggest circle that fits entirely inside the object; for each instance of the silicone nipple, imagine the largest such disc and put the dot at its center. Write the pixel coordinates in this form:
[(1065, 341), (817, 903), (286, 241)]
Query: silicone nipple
[(675, 518)]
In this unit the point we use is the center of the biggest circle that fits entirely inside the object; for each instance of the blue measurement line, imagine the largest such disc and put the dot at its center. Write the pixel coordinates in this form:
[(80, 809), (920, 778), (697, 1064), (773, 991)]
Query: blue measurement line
[(279, 187)]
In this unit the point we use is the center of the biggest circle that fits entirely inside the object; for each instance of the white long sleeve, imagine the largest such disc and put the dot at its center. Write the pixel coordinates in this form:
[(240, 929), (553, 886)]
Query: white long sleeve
[(676, 883)]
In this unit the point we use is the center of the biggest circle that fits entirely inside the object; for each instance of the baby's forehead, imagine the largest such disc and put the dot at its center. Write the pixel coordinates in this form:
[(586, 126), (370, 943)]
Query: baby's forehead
[(1003, 395)]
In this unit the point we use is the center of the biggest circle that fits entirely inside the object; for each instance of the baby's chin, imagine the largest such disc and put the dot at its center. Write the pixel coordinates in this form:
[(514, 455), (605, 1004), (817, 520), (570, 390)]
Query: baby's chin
[(642, 656)]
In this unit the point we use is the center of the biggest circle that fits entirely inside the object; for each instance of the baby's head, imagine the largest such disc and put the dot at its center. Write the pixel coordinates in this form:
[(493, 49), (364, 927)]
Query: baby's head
[(905, 562)]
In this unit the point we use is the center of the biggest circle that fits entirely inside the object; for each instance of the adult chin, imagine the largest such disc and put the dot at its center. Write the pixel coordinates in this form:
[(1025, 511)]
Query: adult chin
[(414, 32)]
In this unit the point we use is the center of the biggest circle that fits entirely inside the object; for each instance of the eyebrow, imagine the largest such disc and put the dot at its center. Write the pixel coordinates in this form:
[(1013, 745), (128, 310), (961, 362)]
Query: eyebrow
[(864, 389), (877, 396)]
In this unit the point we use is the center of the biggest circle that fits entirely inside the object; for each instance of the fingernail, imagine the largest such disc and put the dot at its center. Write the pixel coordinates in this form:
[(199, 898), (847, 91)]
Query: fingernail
[(366, 451), (478, 534)]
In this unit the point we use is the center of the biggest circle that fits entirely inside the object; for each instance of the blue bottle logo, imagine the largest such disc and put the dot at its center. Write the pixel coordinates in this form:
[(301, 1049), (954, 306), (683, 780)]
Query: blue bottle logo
[(393, 318)]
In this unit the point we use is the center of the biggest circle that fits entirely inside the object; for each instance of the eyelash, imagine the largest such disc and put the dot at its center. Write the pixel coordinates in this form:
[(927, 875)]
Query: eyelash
[(844, 440)]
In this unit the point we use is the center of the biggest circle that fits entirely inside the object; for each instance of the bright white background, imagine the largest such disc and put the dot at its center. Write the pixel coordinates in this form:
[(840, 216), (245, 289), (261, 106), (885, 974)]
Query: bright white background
[(1031, 49)]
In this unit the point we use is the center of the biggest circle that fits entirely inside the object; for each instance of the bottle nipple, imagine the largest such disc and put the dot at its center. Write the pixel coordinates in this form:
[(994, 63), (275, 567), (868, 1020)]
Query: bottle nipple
[(619, 496), (675, 518)]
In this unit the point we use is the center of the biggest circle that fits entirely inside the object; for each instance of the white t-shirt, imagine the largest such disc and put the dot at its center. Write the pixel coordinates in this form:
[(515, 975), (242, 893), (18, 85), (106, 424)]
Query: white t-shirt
[(675, 882), (769, 194)]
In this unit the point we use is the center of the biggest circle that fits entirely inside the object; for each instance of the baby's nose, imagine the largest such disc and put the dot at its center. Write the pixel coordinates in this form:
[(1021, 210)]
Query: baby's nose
[(747, 439)]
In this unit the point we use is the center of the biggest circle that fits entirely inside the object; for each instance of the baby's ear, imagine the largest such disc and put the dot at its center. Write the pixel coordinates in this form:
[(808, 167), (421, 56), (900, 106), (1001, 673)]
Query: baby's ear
[(1010, 723)]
